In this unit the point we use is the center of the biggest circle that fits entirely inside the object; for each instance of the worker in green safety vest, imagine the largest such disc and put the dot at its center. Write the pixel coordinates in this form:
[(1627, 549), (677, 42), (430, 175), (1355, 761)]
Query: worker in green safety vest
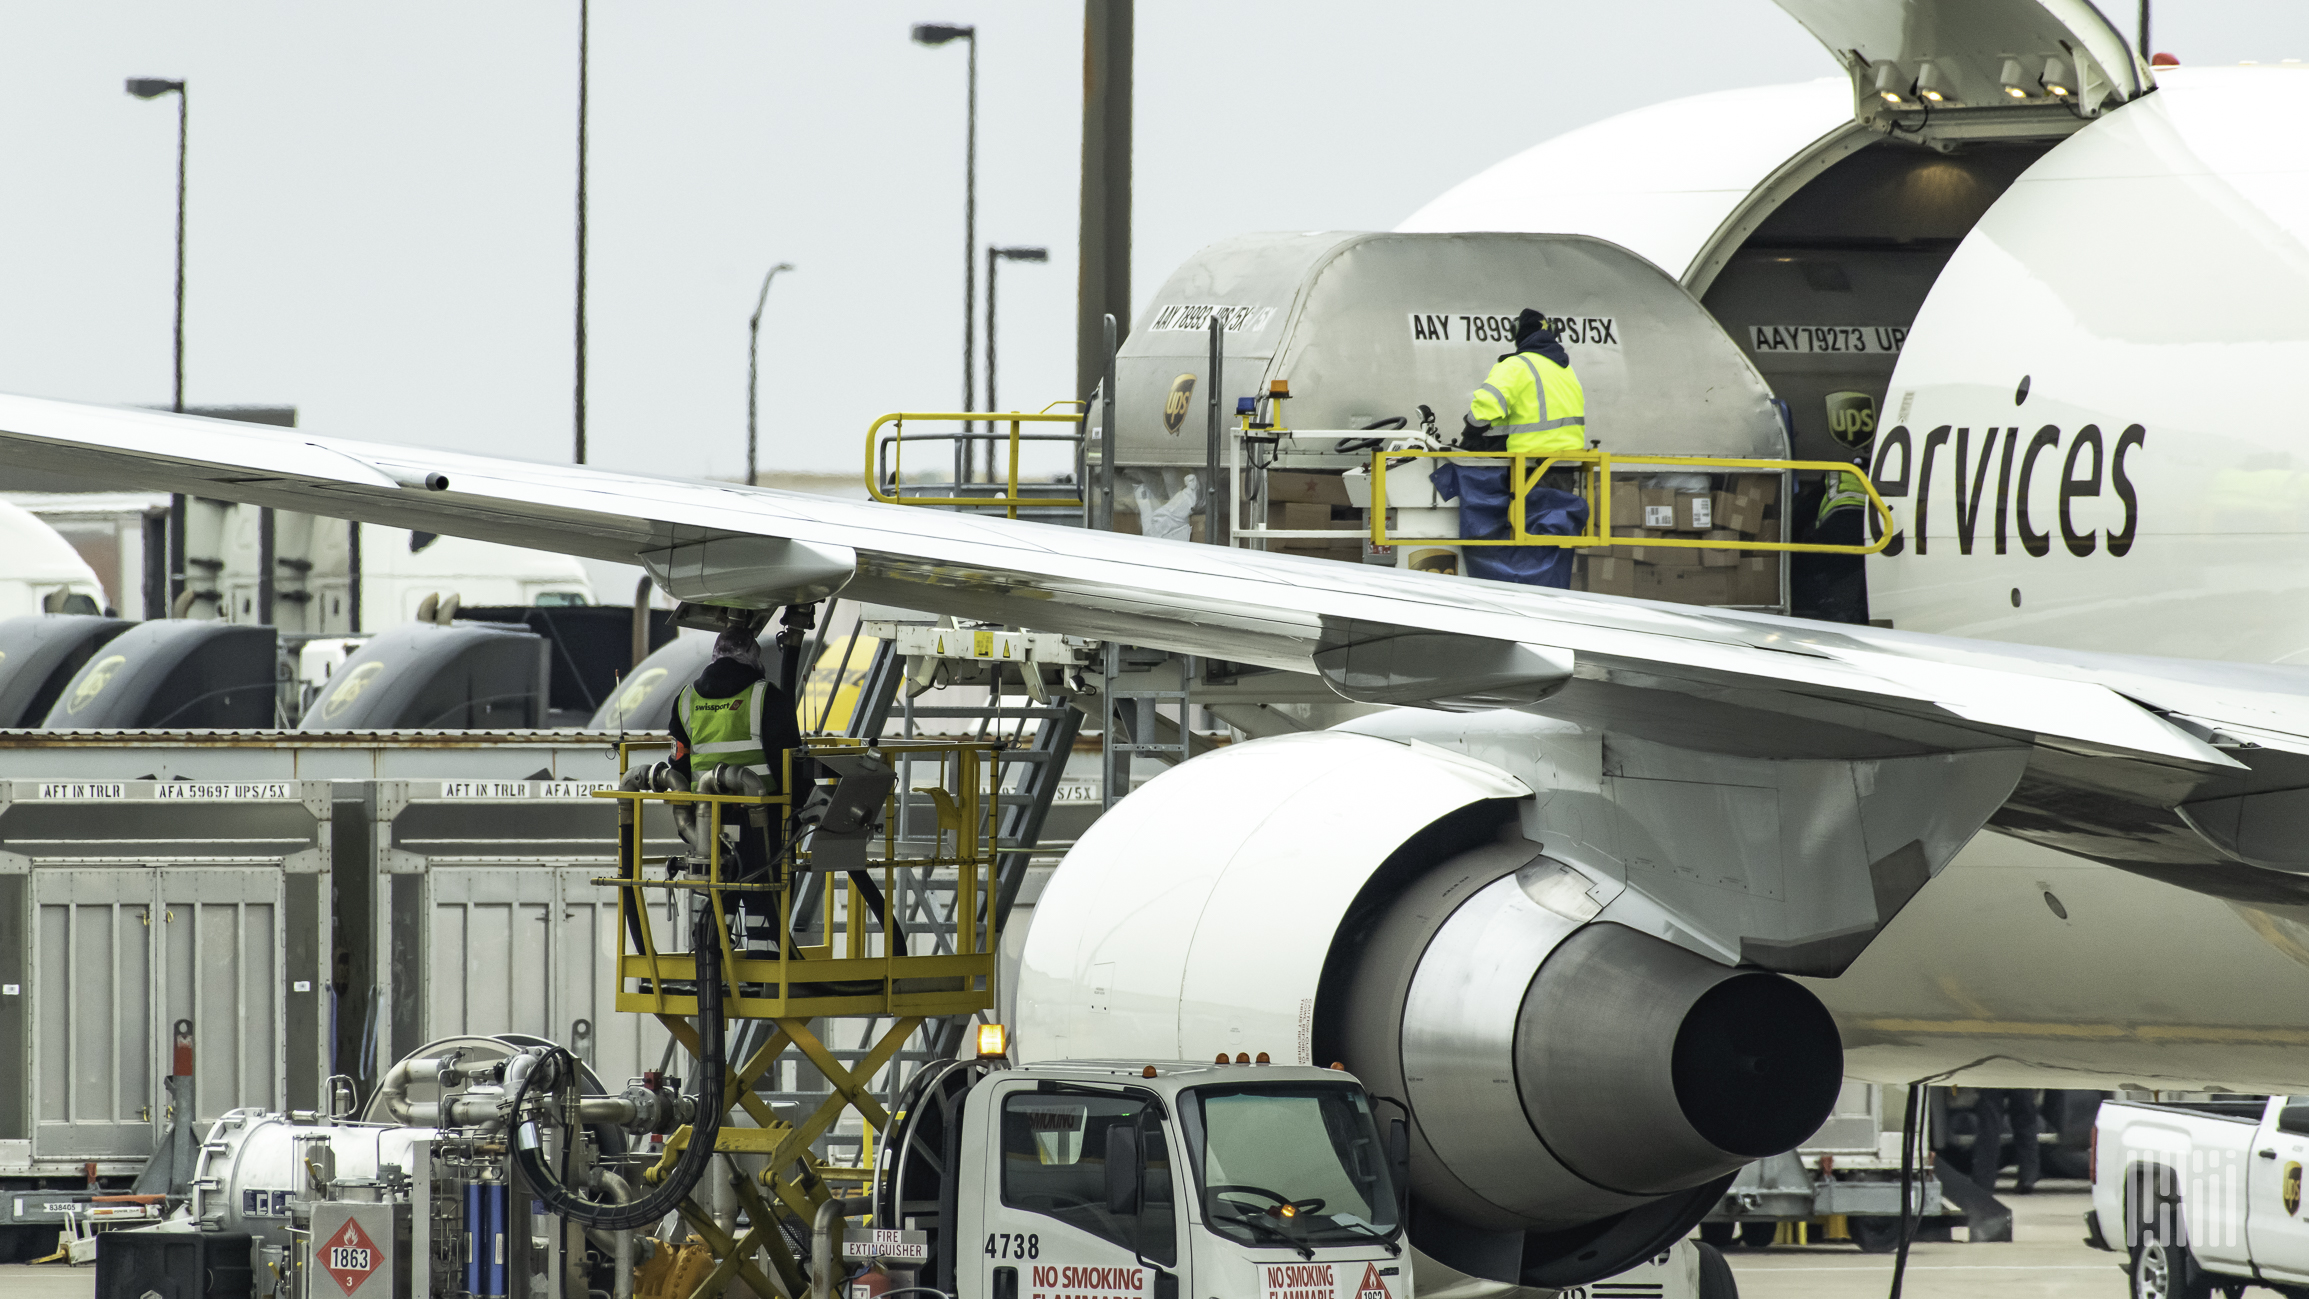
[(1531, 402), (733, 715), (1844, 493), (1834, 587)]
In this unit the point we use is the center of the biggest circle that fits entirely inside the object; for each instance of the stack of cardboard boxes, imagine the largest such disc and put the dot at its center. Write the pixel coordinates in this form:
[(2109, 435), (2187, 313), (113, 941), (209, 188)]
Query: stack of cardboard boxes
[(1742, 507), (1306, 501)]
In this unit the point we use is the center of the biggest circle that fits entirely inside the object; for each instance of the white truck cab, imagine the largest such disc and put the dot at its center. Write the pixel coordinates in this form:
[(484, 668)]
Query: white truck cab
[(1130, 1180)]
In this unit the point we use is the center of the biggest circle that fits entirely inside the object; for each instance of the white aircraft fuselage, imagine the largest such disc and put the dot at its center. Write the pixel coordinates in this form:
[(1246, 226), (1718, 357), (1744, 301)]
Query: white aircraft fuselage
[(2092, 440)]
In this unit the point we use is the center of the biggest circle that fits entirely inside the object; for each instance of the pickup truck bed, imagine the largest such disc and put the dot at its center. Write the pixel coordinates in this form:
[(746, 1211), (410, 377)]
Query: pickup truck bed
[(2203, 1196)]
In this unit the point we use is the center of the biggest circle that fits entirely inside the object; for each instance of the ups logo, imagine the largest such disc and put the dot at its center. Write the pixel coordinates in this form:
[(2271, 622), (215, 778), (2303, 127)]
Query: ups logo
[(1852, 418), (1175, 404)]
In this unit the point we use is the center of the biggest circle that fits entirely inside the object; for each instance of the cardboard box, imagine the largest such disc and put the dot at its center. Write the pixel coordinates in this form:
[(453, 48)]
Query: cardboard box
[(1658, 510), (1299, 516), (1741, 514), (1757, 580), (1291, 487), (1695, 511), (1667, 556), (1627, 506), (1609, 574), (1757, 489), (1720, 558), (1768, 530), (1684, 585)]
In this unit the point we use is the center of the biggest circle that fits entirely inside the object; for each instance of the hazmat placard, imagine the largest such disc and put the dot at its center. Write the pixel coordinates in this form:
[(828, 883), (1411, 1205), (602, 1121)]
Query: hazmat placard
[(350, 1257)]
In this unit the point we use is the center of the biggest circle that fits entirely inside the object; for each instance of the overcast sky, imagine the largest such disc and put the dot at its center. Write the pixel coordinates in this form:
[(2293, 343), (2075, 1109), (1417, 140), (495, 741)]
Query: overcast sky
[(382, 198)]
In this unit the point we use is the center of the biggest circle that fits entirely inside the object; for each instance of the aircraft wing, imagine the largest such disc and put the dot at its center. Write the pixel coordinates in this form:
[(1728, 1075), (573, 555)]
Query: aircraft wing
[(2119, 748)]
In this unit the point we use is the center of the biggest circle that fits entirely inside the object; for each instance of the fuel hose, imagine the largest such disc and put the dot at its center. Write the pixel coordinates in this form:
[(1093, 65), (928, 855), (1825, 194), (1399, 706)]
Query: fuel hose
[(696, 1157)]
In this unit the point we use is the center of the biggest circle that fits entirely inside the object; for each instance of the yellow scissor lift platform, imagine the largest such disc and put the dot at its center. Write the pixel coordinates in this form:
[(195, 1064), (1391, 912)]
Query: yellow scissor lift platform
[(854, 973)]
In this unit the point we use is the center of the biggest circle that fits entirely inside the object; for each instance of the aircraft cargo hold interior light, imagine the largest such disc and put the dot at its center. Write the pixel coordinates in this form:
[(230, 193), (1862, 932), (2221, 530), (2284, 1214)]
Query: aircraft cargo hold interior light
[(1932, 87), (1889, 82), (2055, 79), (2014, 81)]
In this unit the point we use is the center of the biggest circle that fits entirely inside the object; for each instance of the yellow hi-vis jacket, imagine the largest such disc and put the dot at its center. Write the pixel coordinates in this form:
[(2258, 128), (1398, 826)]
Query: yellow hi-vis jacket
[(1538, 405), (725, 732), (1844, 493)]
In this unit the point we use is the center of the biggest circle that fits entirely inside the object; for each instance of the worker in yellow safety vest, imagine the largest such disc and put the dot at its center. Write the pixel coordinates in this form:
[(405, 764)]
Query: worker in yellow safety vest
[(1828, 586), (1530, 403), (733, 715), (1844, 493)]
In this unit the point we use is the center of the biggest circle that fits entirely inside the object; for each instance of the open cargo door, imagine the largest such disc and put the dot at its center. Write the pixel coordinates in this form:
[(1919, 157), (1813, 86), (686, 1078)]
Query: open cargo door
[(1941, 70)]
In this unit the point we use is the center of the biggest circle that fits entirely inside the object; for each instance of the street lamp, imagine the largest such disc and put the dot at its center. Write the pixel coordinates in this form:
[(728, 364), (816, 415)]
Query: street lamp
[(154, 88), (753, 353), (995, 257), (935, 34)]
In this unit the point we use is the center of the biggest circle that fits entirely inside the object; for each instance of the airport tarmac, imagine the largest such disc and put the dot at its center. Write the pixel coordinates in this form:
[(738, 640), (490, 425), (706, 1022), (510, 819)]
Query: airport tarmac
[(2046, 1259)]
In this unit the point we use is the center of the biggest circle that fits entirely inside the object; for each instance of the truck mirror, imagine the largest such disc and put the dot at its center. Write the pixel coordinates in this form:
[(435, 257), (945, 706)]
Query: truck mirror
[(1399, 1157), (1122, 1169)]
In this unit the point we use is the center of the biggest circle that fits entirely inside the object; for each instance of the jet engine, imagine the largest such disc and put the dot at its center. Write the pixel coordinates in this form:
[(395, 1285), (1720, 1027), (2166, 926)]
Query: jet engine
[(1581, 1085)]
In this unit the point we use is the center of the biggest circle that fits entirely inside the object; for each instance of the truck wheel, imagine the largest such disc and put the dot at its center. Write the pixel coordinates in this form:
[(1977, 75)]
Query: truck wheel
[(1716, 1280), (2165, 1271), (1875, 1235), (1718, 1234), (1757, 1235)]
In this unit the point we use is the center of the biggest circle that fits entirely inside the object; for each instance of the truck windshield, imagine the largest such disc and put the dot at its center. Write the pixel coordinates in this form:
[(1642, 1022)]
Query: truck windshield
[(1291, 1165)]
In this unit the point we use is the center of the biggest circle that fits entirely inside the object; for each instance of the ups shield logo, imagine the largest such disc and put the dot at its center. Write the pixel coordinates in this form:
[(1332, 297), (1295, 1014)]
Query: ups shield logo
[(1175, 404), (2290, 1189), (1852, 418)]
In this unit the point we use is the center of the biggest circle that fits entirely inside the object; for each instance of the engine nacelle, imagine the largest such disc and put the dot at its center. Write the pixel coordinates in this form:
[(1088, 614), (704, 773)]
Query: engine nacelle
[(1579, 1090)]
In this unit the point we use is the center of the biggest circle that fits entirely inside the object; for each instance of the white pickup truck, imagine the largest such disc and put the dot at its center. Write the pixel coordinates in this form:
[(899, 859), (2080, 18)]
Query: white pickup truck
[(2203, 1196)]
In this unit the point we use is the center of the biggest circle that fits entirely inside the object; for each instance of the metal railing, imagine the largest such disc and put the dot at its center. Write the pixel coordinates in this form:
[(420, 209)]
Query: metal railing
[(1523, 476), (889, 469), (819, 980)]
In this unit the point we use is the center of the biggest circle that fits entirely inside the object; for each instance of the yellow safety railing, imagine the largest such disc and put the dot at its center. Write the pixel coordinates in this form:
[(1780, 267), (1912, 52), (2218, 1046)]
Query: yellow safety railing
[(1524, 476), (816, 980), (1011, 500), (801, 987)]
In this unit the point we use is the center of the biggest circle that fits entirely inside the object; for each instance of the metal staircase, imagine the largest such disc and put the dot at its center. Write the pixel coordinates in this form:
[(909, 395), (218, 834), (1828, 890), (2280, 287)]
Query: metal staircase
[(1031, 767)]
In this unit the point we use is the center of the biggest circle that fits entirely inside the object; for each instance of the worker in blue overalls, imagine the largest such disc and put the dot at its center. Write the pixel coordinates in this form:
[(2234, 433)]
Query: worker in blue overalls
[(1532, 403)]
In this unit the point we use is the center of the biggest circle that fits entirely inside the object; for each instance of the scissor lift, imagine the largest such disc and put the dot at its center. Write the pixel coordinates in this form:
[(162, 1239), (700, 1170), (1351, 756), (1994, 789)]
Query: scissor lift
[(856, 970)]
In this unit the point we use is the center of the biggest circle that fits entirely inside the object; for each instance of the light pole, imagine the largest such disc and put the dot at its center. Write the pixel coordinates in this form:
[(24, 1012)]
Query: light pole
[(935, 34), (584, 64), (154, 88), (753, 355), (995, 257)]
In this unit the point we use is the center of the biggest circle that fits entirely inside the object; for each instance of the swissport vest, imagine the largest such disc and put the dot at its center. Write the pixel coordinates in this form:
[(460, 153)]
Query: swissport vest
[(725, 732)]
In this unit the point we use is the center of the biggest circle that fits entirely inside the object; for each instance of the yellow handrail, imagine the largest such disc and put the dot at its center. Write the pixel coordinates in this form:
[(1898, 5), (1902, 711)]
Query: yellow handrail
[(1012, 501), (1599, 500)]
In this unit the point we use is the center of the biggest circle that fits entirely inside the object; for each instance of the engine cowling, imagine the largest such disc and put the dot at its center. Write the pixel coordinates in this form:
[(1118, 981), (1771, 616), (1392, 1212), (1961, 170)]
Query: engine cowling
[(1579, 1090)]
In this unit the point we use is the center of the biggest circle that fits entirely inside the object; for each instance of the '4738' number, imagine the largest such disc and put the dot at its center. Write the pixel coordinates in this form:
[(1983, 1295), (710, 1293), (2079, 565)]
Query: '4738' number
[(1004, 1244)]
